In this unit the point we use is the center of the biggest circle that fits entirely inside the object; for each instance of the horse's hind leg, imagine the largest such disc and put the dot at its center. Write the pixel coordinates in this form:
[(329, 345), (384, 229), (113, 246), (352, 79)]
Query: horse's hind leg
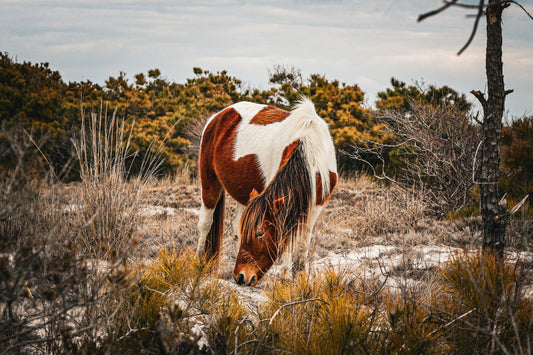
[(205, 220), (211, 220)]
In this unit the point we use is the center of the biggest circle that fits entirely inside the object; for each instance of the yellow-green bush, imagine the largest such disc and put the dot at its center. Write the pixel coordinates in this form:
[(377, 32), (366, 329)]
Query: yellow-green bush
[(484, 301), (177, 304), (328, 313)]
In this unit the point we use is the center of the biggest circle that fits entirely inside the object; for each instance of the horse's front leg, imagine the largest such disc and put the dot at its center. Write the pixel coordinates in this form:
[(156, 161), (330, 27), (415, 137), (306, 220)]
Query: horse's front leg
[(239, 209), (301, 249)]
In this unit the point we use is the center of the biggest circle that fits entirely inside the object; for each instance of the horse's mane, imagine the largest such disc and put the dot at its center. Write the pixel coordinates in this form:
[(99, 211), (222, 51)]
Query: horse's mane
[(313, 132), (293, 182), (296, 179)]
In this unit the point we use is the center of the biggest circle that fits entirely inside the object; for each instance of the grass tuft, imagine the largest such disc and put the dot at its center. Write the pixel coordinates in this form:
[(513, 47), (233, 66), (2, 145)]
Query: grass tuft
[(109, 198), (488, 296)]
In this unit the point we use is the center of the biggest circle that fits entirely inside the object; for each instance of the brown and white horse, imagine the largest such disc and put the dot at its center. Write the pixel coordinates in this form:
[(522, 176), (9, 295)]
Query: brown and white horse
[(280, 167)]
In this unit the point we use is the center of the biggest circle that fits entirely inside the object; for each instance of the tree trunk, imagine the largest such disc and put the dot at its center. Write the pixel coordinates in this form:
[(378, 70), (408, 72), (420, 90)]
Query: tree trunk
[(495, 217)]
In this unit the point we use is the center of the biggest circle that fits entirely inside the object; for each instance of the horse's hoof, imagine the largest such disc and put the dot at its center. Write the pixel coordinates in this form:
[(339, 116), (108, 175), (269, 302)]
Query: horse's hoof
[(298, 267)]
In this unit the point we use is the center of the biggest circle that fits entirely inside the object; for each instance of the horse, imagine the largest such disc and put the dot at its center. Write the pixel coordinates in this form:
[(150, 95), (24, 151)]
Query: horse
[(280, 168)]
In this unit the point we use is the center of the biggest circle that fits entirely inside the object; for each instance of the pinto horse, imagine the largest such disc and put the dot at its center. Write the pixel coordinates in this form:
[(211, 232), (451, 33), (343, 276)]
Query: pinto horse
[(280, 167)]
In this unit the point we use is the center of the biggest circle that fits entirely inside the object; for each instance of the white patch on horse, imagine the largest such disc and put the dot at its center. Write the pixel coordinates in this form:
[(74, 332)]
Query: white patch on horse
[(267, 142)]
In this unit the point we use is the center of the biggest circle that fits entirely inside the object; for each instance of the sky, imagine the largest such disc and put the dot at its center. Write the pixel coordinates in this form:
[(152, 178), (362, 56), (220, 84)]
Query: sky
[(356, 42)]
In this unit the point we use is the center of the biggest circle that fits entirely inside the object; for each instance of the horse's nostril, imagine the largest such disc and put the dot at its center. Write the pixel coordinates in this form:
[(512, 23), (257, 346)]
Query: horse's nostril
[(240, 280), (251, 281)]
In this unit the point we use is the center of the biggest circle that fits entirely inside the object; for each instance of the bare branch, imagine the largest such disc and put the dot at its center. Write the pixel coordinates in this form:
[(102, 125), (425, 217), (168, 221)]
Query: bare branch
[(481, 97), (476, 118), (436, 11), (518, 205), (436, 146), (474, 163), (452, 321), (474, 29), (520, 6)]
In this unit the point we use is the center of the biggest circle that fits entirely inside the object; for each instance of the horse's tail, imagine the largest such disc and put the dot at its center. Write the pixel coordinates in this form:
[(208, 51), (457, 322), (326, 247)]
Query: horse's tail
[(214, 237)]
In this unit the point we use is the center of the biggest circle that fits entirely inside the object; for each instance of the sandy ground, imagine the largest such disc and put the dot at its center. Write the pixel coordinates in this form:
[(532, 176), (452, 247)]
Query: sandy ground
[(373, 232)]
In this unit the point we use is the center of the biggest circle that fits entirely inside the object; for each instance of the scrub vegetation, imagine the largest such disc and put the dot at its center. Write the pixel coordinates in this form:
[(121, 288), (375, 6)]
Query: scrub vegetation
[(98, 212)]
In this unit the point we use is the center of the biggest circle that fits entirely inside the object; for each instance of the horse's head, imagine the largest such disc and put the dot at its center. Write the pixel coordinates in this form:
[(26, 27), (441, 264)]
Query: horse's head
[(260, 234)]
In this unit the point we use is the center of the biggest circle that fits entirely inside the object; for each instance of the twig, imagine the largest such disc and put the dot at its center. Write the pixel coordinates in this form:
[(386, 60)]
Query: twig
[(474, 29), (290, 305), (387, 274), (436, 11), (481, 97), (452, 321), (42, 154), (518, 205), (129, 332), (520, 6), (244, 320)]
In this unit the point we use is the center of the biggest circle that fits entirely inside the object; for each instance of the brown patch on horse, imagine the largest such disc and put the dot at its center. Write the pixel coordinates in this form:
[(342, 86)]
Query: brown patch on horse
[(269, 115), (320, 200), (217, 167), (211, 187), (287, 153)]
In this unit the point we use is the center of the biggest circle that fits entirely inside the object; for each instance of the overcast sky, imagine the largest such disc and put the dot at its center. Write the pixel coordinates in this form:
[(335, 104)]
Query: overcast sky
[(354, 41)]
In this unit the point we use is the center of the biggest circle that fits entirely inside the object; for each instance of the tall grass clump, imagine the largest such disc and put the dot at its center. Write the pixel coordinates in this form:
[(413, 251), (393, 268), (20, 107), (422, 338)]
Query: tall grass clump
[(110, 197), (49, 292), (472, 306), (175, 305)]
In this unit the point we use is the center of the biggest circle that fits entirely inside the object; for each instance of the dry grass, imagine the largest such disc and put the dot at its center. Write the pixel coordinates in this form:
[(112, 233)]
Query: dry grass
[(361, 213), (383, 279), (364, 212), (49, 289), (107, 201)]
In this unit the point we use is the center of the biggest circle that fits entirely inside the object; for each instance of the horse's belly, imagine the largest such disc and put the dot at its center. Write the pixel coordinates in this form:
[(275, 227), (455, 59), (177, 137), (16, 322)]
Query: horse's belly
[(240, 177)]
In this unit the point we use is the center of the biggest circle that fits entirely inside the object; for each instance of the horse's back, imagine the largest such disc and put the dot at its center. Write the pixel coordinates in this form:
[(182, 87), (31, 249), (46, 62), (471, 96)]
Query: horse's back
[(243, 145), (237, 175)]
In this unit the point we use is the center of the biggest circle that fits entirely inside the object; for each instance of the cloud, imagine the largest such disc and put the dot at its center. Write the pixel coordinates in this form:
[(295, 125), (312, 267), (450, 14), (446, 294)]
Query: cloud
[(354, 41)]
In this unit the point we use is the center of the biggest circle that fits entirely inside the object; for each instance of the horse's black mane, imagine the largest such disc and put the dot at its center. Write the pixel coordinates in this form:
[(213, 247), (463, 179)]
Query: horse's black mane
[(293, 182)]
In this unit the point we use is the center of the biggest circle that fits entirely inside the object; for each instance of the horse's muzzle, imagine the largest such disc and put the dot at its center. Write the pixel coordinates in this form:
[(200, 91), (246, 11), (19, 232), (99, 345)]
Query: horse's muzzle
[(242, 281)]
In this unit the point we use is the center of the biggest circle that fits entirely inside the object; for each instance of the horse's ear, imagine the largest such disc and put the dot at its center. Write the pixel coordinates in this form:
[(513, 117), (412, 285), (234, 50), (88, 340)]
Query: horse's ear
[(276, 204), (254, 194)]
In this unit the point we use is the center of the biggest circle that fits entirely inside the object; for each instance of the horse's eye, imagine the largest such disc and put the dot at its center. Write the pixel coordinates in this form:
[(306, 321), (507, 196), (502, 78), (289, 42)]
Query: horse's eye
[(259, 234)]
